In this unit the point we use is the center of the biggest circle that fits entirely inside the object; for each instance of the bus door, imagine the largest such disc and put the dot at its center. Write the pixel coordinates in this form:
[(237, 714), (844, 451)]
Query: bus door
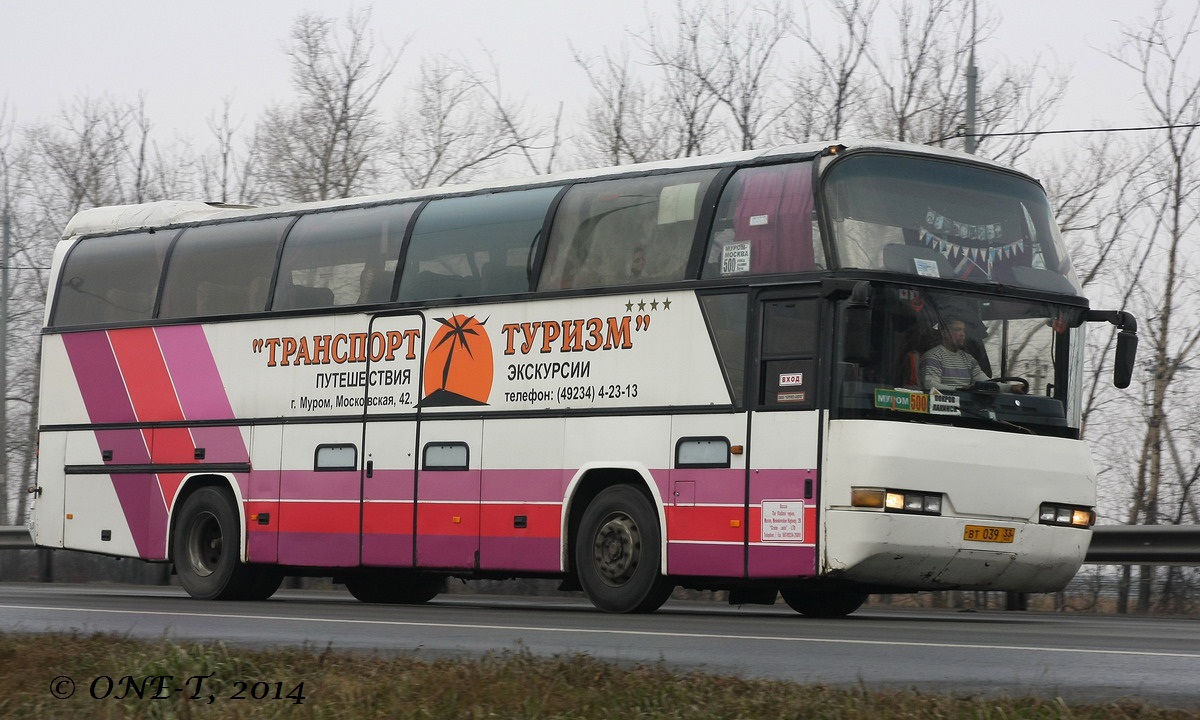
[(390, 452), (320, 449), (455, 385), (784, 430)]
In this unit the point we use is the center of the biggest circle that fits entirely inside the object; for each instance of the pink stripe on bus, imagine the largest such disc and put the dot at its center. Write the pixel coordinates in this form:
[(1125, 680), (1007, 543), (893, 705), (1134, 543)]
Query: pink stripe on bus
[(194, 372)]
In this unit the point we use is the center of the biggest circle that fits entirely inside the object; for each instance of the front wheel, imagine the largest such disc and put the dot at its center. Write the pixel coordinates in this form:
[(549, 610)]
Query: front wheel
[(618, 552), (206, 546)]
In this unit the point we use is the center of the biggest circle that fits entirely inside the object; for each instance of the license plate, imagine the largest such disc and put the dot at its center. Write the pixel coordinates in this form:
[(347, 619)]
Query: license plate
[(989, 533)]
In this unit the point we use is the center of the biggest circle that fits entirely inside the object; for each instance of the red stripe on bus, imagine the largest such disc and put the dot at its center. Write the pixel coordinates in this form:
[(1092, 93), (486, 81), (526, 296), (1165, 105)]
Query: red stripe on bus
[(713, 524), (145, 374), (383, 518), (541, 521), (454, 519), (318, 517)]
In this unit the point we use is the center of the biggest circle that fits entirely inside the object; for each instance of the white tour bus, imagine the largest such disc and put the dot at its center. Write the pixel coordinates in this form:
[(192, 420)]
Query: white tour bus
[(819, 371)]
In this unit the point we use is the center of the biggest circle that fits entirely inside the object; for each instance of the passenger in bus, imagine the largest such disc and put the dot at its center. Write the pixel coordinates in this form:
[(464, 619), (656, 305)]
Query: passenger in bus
[(948, 366), (374, 283)]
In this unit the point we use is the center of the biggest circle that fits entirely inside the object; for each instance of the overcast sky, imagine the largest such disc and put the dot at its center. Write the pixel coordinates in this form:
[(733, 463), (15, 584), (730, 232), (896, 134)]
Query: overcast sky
[(186, 56)]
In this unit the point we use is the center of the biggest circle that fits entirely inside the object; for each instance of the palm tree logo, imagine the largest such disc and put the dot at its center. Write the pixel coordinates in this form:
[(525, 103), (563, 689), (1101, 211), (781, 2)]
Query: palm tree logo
[(460, 357)]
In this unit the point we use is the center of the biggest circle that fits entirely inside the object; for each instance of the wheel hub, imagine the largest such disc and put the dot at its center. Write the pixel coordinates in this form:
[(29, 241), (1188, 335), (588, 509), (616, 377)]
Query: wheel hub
[(617, 549)]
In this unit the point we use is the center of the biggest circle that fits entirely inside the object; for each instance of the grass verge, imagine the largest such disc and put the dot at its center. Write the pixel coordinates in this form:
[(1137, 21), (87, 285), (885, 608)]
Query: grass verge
[(113, 677)]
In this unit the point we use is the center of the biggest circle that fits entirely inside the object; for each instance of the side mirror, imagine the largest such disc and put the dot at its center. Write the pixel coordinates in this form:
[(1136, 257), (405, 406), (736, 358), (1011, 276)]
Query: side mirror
[(1125, 358), (1127, 341)]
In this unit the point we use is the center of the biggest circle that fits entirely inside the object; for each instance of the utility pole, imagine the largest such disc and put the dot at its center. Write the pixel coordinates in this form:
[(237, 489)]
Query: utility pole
[(4, 367), (972, 80)]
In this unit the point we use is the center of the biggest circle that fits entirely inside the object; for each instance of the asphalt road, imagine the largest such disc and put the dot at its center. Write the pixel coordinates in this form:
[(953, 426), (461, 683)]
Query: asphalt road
[(1082, 658)]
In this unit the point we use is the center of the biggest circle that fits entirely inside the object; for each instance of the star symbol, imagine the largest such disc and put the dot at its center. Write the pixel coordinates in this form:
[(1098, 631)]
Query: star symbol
[(654, 304), (629, 306), (641, 305), (666, 304)]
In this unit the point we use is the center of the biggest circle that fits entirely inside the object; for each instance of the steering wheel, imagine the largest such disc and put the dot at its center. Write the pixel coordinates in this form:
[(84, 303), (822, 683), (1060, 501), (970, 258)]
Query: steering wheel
[(1013, 378)]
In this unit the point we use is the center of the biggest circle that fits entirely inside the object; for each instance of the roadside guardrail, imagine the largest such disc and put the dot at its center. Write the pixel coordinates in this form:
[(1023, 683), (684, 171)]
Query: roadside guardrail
[(15, 537), (1144, 545), (1111, 544)]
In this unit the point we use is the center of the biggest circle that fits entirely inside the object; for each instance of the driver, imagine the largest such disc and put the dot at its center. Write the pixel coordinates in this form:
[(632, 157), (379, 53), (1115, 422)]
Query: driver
[(949, 367)]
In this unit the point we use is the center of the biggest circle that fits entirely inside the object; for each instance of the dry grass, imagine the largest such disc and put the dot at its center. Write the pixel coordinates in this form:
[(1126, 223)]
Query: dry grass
[(508, 685)]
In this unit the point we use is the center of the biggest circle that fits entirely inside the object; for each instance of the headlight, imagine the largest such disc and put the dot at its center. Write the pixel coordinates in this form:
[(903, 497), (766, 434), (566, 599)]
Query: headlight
[(903, 501), (1066, 515)]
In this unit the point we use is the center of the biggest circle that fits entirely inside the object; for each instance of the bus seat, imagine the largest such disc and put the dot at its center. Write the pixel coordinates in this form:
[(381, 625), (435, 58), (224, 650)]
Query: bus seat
[(311, 297), (903, 258), (220, 299), (498, 279)]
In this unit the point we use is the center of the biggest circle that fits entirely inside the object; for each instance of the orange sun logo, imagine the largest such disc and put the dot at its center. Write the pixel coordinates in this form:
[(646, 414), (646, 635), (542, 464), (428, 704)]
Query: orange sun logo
[(458, 367)]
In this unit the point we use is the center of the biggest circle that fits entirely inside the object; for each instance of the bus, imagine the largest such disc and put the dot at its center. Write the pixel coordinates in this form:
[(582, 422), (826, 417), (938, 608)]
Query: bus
[(706, 373)]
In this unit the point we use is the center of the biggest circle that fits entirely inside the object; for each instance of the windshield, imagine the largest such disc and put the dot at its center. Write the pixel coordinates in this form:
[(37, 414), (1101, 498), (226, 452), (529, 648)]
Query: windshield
[(962, 358), (945, 219)]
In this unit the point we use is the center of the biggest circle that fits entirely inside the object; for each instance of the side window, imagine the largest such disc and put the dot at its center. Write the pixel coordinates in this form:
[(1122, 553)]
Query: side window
[(764, 224), (111, 279), (624, 232), (446, 456), (702, 452), (477, 245), (343, 257), (335, 457), (726, 318), (222, 269)]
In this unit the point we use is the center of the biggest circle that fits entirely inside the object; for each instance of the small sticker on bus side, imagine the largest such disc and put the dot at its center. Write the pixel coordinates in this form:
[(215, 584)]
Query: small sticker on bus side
[(735, 258), (927, 268), (783, 521), (756, 220), (791, 379)]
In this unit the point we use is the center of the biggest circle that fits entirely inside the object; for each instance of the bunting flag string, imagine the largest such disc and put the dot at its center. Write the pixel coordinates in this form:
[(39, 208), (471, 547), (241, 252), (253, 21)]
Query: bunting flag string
[(967, 245)]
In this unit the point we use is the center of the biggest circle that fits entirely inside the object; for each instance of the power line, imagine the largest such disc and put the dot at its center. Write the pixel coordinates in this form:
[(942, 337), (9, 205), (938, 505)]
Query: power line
[(1072, 131)]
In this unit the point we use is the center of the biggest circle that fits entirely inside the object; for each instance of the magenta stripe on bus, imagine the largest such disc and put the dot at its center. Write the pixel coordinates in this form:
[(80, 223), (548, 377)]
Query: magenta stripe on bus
[(782, 561), (99, 377), (706, 559), (527, 484), (321, 549), (779, 484), (509, 553), (386, 550)]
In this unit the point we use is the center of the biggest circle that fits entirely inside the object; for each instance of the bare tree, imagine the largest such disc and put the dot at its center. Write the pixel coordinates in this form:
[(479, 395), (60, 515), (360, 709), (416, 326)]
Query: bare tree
[(456, 127), (623, 121), (724, 56), (225, 173), (323, 145), (826, 98), (1157, 52)]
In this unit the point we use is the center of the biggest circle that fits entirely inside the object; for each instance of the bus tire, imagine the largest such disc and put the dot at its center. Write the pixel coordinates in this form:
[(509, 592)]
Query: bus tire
[(205, 547), (824, 603), (618, 553), (395, 588)]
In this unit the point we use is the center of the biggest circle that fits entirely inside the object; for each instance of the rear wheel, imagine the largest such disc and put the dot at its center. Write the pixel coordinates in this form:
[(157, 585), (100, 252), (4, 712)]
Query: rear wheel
[(618, 553), (206, 546), (824, 603), (398, 588)]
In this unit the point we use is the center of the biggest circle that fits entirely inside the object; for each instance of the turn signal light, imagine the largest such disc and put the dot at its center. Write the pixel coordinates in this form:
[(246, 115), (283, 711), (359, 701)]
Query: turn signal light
[(906, 501), (1066, 515)]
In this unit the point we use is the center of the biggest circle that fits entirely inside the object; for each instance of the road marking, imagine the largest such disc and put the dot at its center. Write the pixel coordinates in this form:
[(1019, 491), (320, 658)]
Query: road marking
[(638, 633)]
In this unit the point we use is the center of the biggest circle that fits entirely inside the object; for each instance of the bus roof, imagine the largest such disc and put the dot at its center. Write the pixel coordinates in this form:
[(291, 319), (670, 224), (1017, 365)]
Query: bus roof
[(165, 213)]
